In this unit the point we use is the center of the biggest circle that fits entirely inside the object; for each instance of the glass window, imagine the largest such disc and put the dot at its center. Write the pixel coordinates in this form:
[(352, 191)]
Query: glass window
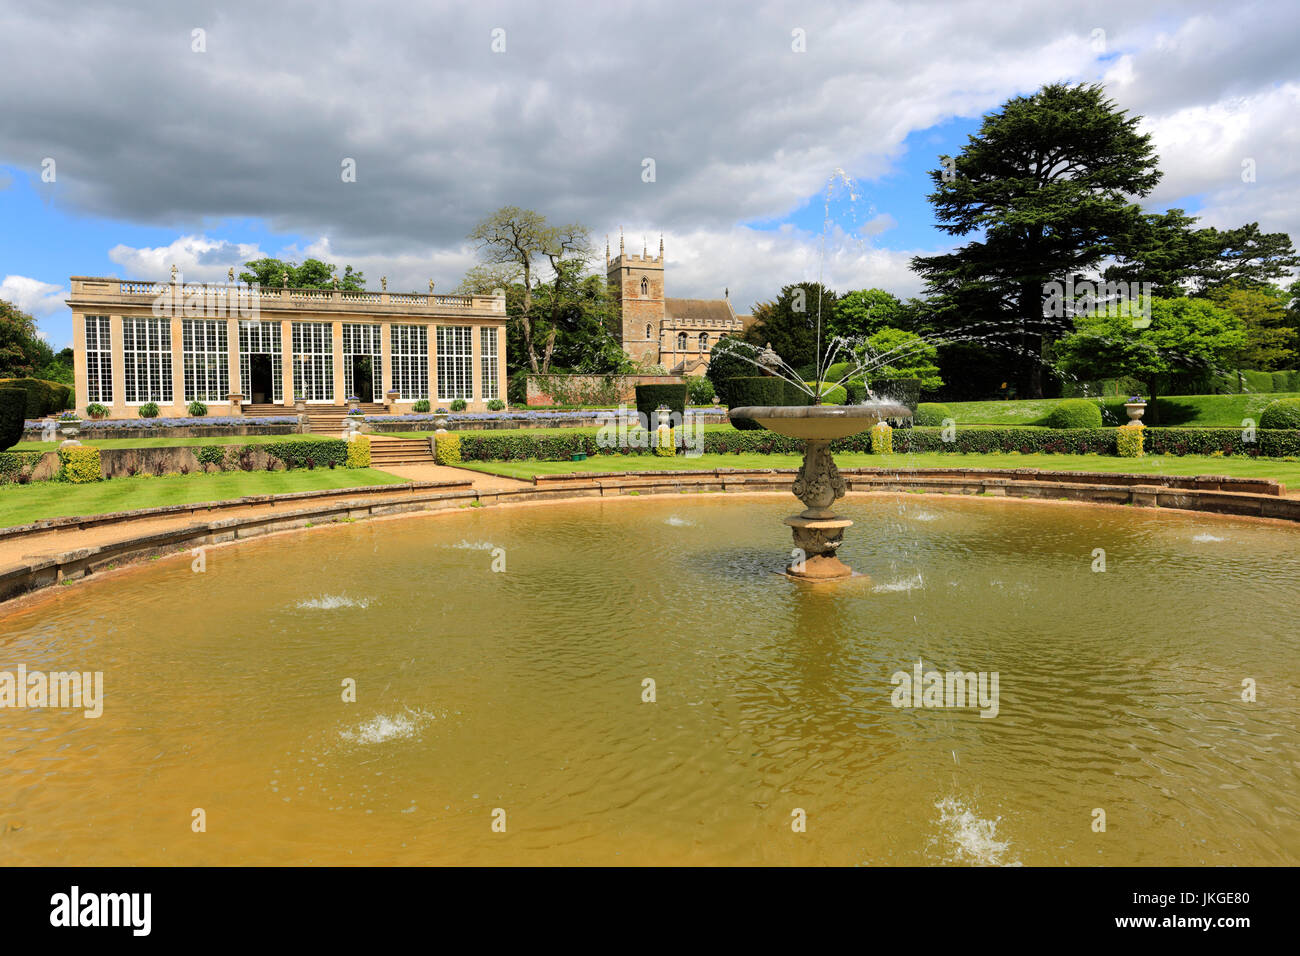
[(147, 360), (99, 360), (205, 359), (410, 356), (455, 362)]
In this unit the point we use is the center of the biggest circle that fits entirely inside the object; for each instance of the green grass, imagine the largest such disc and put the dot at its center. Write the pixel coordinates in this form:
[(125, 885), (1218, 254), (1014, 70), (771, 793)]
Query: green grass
[(1193, 411), (164, 442), (1284, 471), (23, 504)]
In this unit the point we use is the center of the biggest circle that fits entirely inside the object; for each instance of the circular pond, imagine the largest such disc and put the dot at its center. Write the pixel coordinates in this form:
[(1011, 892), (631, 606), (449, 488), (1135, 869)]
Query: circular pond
[(501, 660)]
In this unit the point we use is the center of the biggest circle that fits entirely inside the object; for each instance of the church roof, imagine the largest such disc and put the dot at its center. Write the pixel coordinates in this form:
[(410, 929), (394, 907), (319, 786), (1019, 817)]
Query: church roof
[(693, 310)]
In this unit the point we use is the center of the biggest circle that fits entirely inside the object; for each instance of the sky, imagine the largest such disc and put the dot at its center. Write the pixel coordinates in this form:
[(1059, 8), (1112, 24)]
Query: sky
[(788, 141)]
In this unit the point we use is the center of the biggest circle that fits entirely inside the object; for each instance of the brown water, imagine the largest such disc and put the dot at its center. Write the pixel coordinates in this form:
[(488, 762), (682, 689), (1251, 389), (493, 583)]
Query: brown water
[(522, 690)]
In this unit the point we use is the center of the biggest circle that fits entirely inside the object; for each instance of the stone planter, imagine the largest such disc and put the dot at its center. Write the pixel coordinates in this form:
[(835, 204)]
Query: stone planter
[(69, 429), (236, 400), (1135, 410)]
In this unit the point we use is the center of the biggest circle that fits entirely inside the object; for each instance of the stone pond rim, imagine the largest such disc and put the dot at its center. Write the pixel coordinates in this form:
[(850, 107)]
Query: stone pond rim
[(819, 532)]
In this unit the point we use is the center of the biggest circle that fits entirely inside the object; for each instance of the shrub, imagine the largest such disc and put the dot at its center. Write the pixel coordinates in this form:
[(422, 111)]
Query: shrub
[(1257, 382), (358, 452), (882, 439), (458, 405), (43, 398), (421, 405), (1283, 413), (1074, 413), (79, 464), (446, 449), (96, 410), (212, 455), (17, 465), (904, 391), (650, 397), (665, 445), (754, 390), (13, 409), (831, 394), (493, 405), (726, 364), (196, 409), (149, 410), (297, 453), (699, 390), (1128, 440), (1281, 381), (931, 414)]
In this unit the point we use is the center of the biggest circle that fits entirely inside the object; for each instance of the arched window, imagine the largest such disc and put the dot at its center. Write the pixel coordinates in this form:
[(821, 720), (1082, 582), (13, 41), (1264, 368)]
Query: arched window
[(645, 286), (648, 331), (704, 341), (681, 341)]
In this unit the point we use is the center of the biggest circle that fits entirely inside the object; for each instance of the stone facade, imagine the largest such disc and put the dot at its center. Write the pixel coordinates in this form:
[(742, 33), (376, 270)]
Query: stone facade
[(658, 330), (231, 346)]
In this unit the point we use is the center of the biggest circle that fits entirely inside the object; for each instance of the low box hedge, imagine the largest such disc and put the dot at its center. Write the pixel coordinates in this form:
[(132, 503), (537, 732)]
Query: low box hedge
[(308, 454), (1281, 443)]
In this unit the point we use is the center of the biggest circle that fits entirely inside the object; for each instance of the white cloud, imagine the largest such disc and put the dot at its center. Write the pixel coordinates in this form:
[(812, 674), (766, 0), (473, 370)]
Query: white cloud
[(38, 299)]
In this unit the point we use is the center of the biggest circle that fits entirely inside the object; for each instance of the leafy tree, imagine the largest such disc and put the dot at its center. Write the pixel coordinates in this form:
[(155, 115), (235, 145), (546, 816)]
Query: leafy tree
[(22, 350), (865, 311), (1048, 185), (514, 244), (312, 274), (789, 324), (1185, 336), (1269, 335), (896, 353), (60, 369), (1176, 258)]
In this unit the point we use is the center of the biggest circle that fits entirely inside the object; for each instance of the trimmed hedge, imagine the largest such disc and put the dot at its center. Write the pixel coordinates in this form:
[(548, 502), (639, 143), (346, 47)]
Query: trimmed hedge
[(1074, 413), (756, 390), (358, 452), (43, 398), (931, 414), (13, 409), (79, 464), (831, 394), (1128, 441), (882, 439), (1284, 413), (1279, 443), (447, 448), (650, 397), (298, 454)]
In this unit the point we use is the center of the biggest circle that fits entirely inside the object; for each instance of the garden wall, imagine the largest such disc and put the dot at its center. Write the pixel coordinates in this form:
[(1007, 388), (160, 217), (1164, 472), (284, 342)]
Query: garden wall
[(591, 389)]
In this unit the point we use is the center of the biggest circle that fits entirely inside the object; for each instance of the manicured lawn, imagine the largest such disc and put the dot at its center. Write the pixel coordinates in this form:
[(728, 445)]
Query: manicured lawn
[(1193, 411), (22, 504), (164, 442), (1284, 471)]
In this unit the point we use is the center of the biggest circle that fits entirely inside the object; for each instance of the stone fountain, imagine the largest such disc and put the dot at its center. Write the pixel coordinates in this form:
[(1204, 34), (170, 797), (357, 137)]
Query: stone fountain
[(819, 532)]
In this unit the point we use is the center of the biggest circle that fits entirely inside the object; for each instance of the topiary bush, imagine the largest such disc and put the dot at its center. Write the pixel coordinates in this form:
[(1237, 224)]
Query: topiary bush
[(358, 452), (79, 464), (13, 409), (754, 390), (421, 405), (446, 449), (665, 444), (458, 405), (831, 394), (1284, 413), (725, 364), (882, 439), (43, 398), (931, 414), (149, 410), (1074, 413), (794, 395), (196, 409), (1128, 440), (650, 397)]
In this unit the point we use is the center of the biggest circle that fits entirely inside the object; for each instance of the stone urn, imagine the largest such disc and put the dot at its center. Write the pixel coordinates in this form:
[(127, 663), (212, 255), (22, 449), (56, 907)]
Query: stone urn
[(299, 404), (1135, 410), (69, 428), (354, 404)]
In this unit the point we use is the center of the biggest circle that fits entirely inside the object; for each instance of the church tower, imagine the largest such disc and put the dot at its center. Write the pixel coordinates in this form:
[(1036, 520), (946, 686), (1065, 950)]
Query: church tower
[(639, 285)]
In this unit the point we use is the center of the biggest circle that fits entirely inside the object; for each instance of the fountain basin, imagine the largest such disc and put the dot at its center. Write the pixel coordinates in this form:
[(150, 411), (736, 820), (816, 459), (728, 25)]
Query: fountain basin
[(820, 422)]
